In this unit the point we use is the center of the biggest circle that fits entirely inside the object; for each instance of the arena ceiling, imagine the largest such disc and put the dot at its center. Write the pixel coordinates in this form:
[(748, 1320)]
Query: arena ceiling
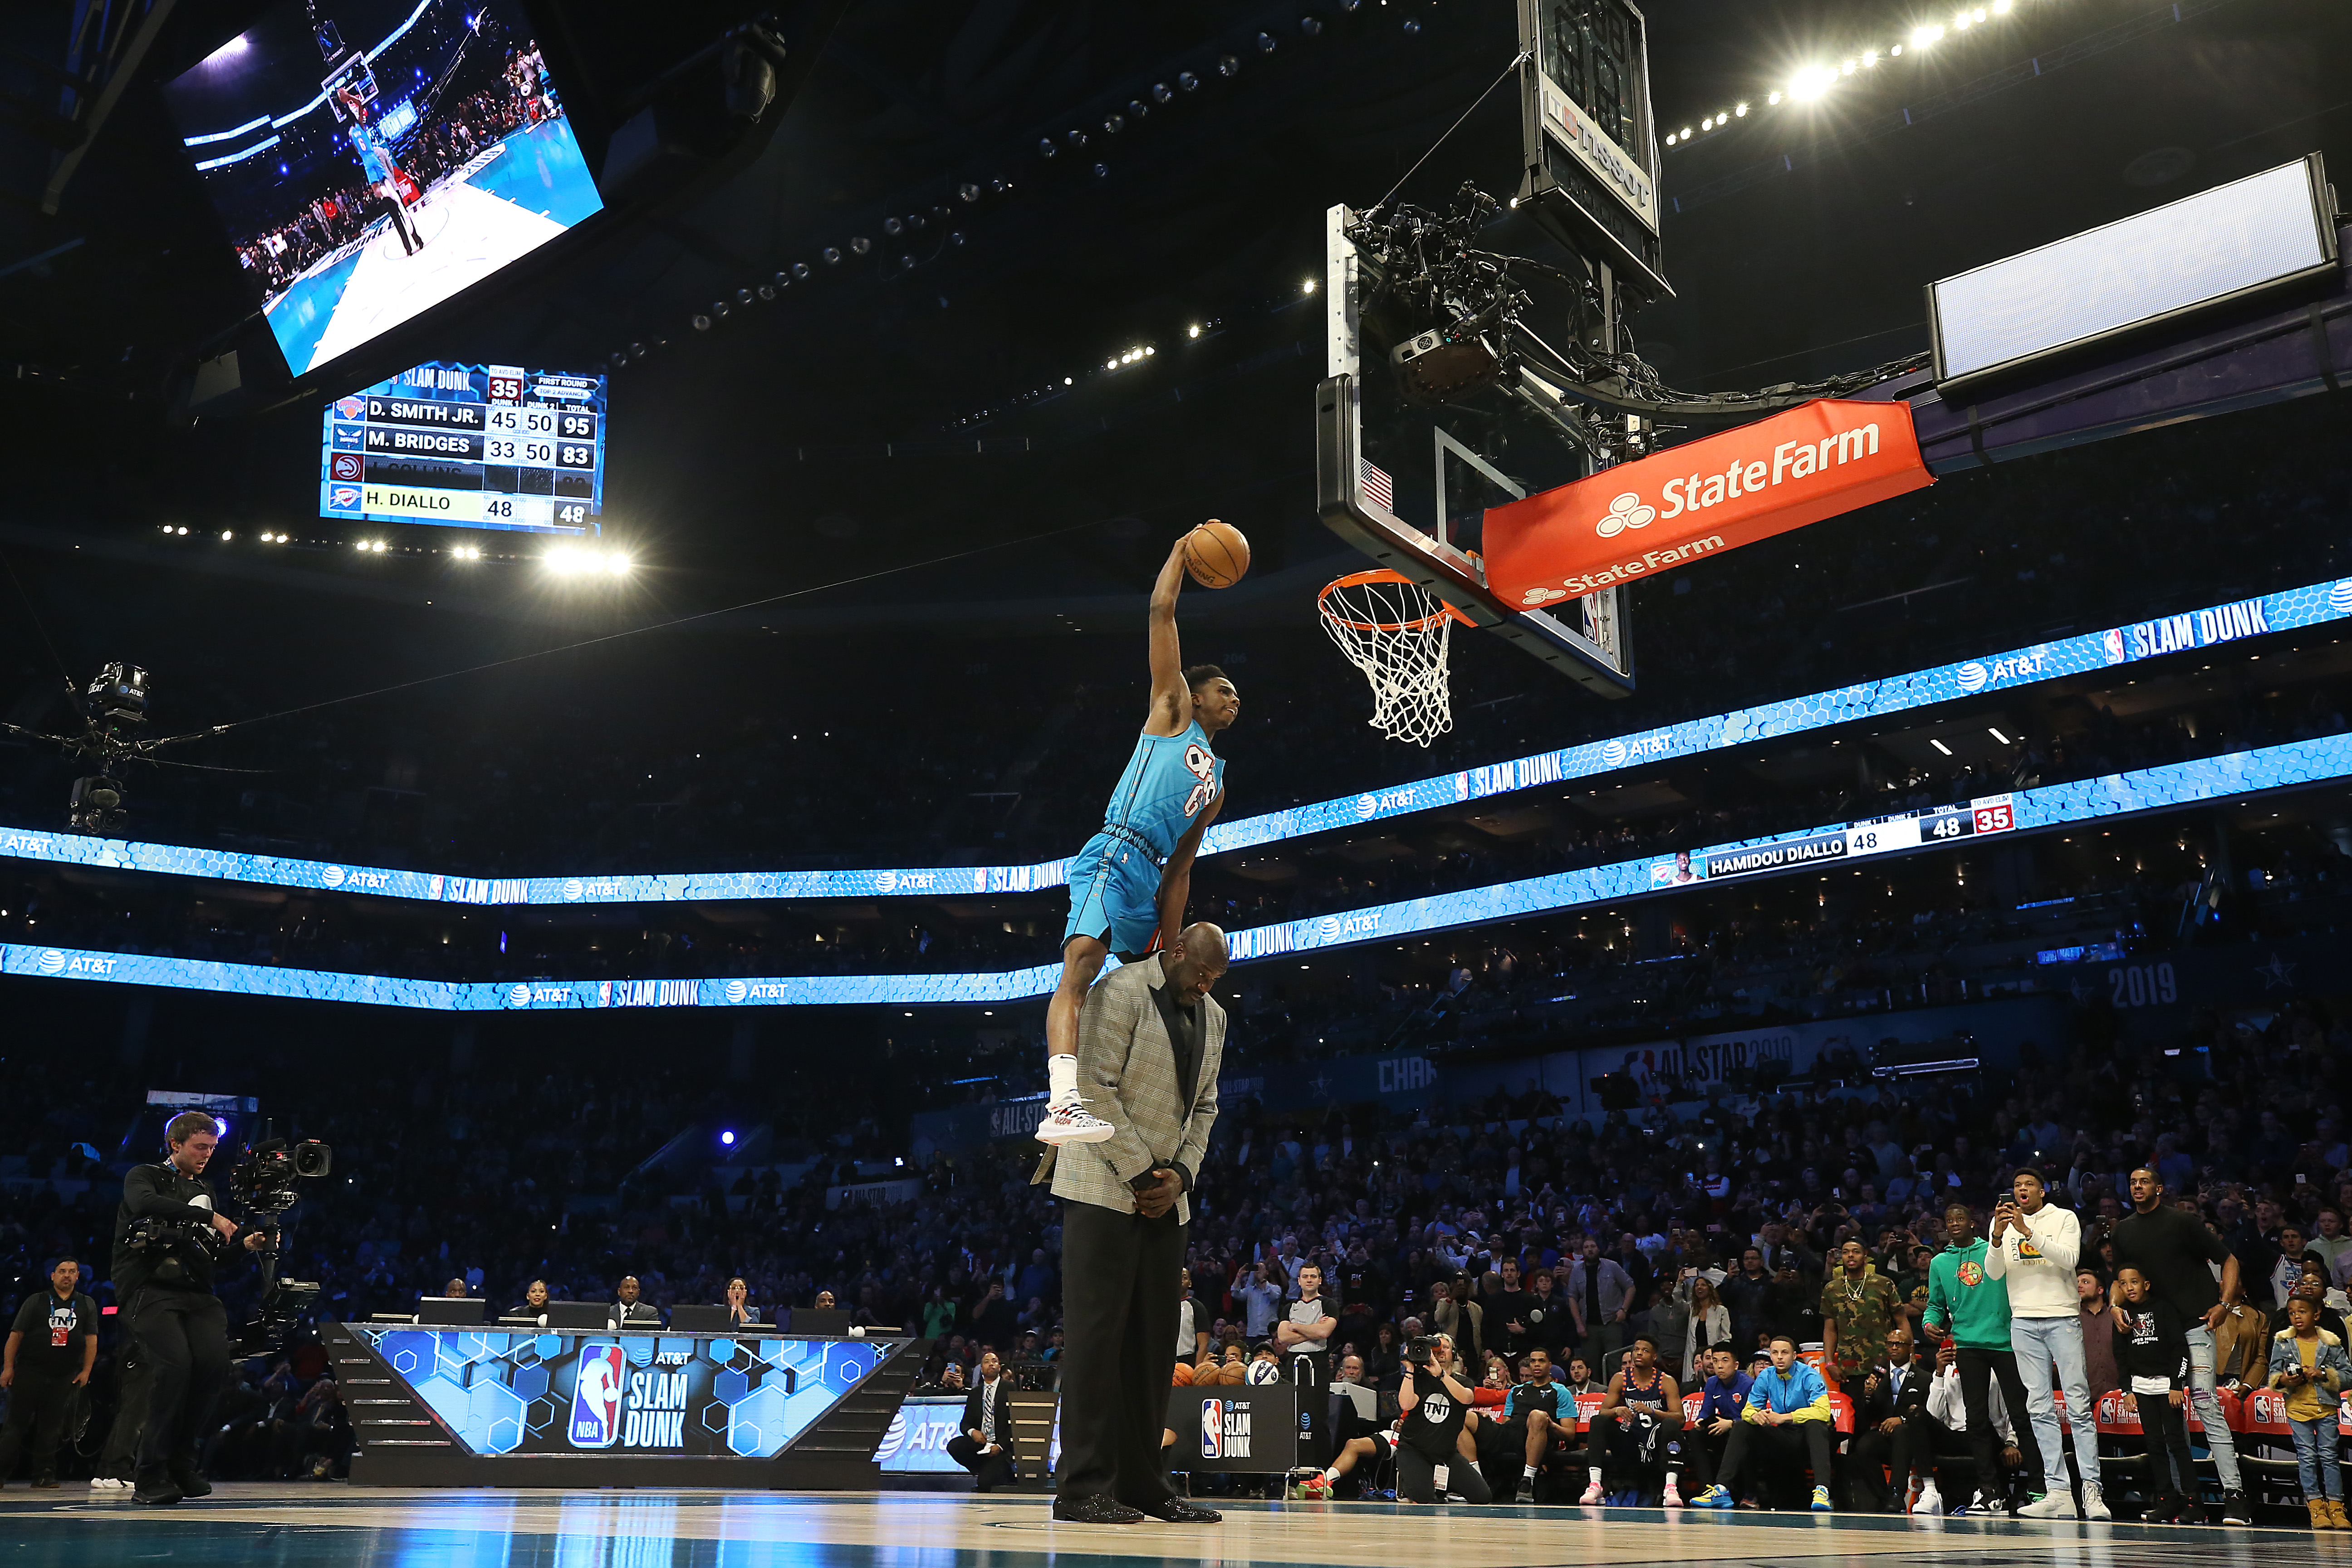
[(810, 440)]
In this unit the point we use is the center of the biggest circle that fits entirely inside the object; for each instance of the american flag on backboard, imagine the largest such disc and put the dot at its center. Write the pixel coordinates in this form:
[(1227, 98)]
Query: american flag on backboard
[(1378, 488)]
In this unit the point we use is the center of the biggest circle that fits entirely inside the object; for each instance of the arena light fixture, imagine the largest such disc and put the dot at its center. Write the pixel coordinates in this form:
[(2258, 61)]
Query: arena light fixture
[(1309, 286), (617, 564), (1996, 734), (1194, 330)]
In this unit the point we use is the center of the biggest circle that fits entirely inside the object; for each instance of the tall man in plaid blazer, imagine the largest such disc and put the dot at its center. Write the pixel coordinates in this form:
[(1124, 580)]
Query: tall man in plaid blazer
[(1149, 1040)]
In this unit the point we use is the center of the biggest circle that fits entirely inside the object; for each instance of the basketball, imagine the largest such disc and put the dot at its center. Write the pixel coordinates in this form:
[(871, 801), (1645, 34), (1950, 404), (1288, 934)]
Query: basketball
[(1183, 1377), (1216, 554)]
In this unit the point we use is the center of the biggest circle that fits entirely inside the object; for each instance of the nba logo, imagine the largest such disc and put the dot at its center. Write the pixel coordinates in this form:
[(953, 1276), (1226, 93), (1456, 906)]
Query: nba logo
[(345, 498), (344, 466), (2112, 644), (1213, 1428), (350, 407), (596, 1397)]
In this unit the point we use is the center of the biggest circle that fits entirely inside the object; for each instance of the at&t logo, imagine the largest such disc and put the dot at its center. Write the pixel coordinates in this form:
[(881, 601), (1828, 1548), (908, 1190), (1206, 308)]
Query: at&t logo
[(332, 876), (572, 889), (52, 961), (1613, 752), (737, 991), (1972, 677), (2339, 597), (518, 998), (1367, 805)]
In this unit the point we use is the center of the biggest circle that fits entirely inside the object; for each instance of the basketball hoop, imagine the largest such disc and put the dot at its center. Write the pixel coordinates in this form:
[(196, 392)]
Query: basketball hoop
[(1397, 633)]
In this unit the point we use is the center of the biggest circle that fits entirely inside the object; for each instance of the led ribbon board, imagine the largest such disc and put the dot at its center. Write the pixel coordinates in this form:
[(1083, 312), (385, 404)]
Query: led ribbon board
[(2289, 766), (2316, 605)]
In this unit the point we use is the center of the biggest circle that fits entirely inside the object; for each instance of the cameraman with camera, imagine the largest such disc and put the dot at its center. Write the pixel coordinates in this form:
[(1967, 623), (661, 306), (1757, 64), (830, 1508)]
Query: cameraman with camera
[(167, 1237), (1435, 1402)]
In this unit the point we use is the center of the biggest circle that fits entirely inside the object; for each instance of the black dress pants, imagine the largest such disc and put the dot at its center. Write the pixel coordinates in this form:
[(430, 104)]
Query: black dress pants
[(1977, 1368), (1121, 1277), (1868, 1458), (184, 1340), (993, 1470), (39, 1403)]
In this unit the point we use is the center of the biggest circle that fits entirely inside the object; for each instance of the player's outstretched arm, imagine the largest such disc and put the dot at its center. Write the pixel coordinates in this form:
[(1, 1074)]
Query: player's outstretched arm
[(1171, 699), (1176, 880)]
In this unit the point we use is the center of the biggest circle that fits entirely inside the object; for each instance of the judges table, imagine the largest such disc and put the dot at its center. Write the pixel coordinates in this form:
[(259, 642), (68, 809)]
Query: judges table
[(518, 1406)]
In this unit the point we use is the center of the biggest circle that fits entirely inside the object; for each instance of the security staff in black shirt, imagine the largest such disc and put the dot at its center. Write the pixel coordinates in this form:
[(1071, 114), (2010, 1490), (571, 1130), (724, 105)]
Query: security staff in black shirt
[(167, 1291), (50, 1349)]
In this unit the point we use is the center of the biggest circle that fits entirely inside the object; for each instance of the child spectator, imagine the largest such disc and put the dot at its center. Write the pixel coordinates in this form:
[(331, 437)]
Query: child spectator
[(2152, 1358), (2308, 1364)]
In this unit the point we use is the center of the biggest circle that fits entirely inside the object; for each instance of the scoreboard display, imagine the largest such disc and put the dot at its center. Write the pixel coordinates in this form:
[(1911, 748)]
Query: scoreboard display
[(468, 446)]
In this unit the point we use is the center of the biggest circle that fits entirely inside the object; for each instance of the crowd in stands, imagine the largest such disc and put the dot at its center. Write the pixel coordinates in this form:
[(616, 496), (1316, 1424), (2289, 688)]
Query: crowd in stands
[(500, 1174), (279, 255)]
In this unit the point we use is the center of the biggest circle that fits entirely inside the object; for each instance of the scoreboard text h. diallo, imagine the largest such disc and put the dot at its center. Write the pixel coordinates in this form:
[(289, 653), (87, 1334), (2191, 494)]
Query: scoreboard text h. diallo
[(487, 447)]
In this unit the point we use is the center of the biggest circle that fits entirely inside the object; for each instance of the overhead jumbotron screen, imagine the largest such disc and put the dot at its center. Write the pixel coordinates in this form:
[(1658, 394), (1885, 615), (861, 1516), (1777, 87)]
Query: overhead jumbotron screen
[(468, 446), (372, 158)]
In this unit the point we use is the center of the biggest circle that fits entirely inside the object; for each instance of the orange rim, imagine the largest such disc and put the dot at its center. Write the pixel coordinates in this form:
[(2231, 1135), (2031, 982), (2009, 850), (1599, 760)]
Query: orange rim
[(1384, 574)]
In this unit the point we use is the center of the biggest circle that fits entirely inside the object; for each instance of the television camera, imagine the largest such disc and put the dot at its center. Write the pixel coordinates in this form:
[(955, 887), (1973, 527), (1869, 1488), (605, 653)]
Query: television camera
[(266, 1182), (113, 706)]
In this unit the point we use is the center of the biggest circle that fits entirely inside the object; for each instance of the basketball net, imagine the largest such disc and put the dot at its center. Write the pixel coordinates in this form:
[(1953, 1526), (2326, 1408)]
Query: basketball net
[(1397, 633)]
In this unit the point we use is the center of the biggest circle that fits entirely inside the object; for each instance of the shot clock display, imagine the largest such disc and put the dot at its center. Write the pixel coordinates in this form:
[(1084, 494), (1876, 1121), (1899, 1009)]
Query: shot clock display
[(490, 446)]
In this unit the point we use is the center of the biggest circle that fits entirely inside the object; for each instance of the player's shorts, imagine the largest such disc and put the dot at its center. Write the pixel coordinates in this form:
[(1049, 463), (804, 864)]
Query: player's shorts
[(1113, 895)]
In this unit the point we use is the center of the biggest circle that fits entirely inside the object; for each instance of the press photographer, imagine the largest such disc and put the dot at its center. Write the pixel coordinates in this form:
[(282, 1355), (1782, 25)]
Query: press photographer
[(170, 1240)]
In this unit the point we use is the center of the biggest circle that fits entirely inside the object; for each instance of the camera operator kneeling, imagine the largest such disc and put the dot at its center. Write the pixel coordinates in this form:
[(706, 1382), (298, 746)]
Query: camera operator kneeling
[(1435, 1402), (165, 1238)]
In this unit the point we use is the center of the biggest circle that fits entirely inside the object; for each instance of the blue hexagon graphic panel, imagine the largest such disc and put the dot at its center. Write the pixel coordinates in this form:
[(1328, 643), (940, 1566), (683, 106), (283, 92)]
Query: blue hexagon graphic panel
[(655, 1394)]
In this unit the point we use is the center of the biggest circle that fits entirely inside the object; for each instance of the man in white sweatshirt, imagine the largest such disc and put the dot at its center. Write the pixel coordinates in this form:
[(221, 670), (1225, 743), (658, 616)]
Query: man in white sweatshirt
[(2032, 1252)]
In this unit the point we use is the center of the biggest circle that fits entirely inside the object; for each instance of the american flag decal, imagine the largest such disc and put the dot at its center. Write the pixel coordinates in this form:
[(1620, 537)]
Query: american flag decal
[(1377, 486)]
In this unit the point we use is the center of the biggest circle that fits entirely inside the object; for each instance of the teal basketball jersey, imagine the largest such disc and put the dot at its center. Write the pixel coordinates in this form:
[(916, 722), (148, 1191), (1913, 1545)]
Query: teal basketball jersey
[(1167, 782)]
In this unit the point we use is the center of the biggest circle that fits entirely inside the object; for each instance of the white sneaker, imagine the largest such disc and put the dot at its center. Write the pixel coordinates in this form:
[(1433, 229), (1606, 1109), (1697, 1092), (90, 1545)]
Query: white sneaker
[(1073, 1123), (108, 1484), (1673, 1499), (1592, 1497), (2049, 1505), (2095, 1502), (1929, 1500)]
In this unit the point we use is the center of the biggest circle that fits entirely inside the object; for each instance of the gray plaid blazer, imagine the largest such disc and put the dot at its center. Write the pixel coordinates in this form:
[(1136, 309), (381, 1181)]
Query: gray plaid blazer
[(1126, 1071)]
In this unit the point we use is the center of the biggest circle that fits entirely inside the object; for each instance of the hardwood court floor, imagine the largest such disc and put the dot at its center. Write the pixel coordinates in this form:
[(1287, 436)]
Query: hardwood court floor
[(334, 1526)]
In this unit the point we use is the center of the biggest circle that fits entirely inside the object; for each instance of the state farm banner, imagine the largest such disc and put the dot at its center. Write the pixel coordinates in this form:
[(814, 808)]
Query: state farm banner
[(1701, 499)]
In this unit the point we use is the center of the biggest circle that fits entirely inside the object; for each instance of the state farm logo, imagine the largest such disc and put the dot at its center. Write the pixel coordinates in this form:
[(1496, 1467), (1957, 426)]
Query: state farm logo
[(1972, 677), (52, 961), (1626, 511)]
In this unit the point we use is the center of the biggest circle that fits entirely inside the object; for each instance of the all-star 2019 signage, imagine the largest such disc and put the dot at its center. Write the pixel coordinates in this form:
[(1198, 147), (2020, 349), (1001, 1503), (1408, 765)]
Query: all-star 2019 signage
[(1701, 499)]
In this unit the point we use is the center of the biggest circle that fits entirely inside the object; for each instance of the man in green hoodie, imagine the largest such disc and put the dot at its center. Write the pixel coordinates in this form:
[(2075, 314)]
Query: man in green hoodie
[(1972, 1307)]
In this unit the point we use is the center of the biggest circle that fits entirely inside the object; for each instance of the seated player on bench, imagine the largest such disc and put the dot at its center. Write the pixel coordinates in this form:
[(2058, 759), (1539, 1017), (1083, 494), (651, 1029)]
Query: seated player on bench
[(1634, 1431)]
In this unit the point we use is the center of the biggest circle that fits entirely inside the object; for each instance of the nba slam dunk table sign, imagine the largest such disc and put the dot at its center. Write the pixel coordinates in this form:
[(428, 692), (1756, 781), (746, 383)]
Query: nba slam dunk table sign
[(1701, 499)]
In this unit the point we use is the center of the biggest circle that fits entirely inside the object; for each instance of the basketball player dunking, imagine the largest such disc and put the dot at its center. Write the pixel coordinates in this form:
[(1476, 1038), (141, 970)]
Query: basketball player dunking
[(1129, 884)]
